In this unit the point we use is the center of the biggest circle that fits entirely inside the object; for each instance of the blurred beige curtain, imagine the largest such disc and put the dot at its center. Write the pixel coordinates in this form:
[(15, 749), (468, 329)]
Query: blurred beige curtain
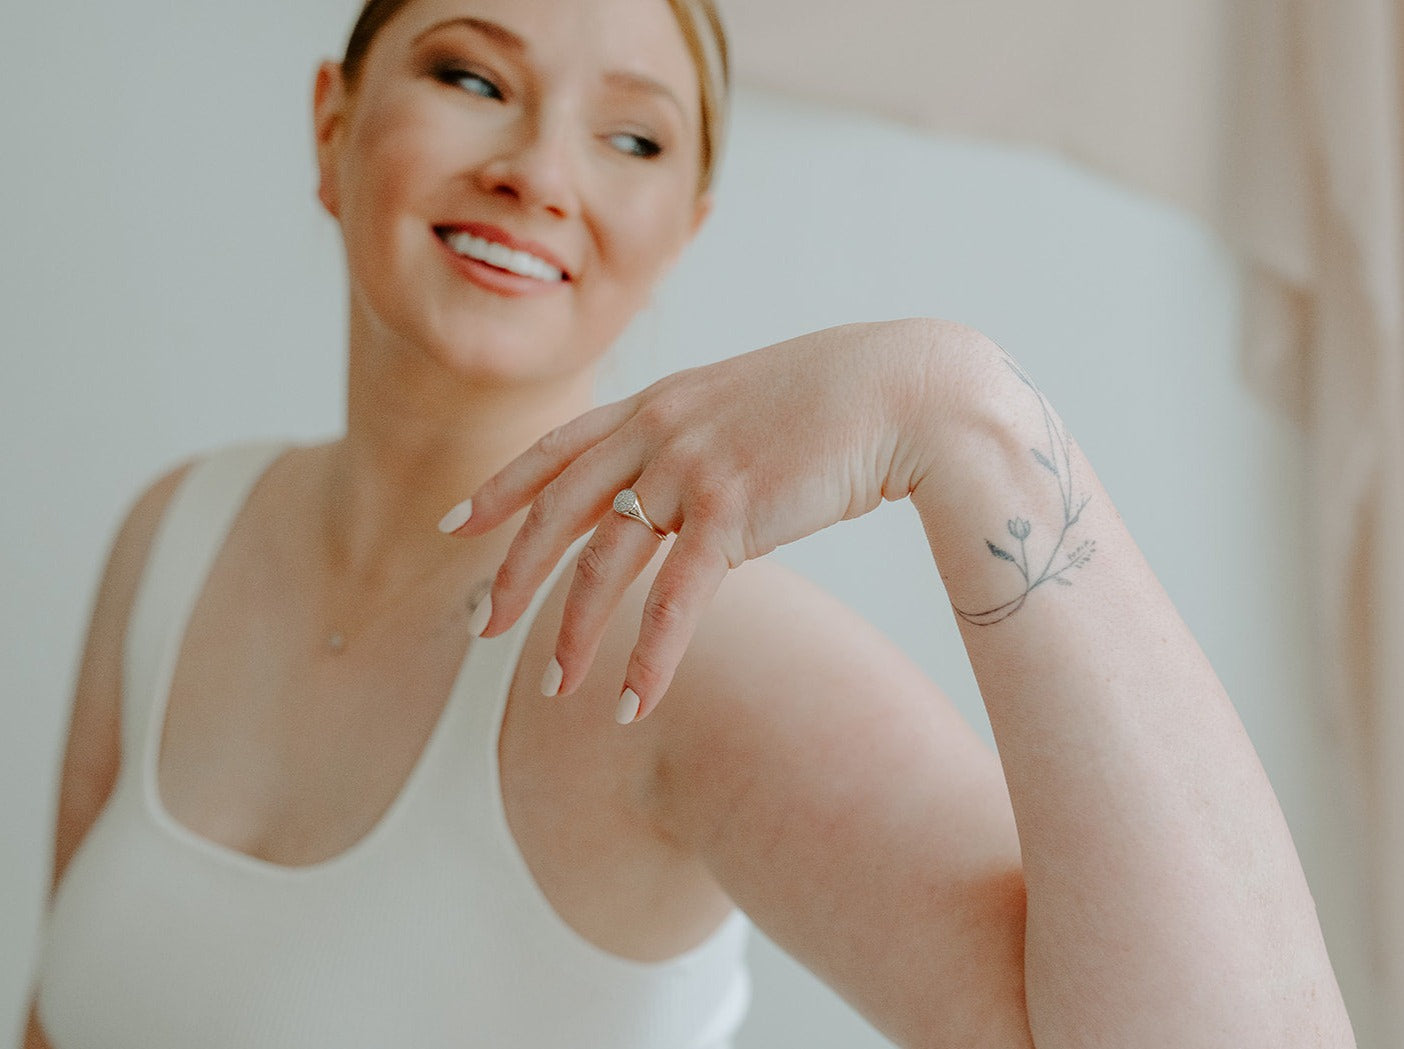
[(1279, 123)]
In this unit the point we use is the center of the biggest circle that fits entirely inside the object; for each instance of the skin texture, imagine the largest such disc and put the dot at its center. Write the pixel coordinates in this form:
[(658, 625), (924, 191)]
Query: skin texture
[(447, 381), (1145, 892), (393, 164), (1119, 874)]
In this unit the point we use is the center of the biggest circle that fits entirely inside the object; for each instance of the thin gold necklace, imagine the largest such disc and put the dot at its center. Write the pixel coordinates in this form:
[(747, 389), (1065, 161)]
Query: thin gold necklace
[(340, 635)]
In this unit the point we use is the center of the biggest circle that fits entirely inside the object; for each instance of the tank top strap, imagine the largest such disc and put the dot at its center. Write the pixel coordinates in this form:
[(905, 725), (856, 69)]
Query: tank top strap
[(191, 532), (711, 978)]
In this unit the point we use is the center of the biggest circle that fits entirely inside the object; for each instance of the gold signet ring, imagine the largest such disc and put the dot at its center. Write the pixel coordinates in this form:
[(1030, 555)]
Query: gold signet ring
[(627, 503)]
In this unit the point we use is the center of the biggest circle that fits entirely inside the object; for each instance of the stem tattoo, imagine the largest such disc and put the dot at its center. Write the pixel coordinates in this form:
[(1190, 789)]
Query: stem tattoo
[(1054, 459)]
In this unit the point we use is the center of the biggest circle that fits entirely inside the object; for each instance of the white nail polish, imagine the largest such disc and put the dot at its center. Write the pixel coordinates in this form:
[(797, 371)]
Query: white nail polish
[(457, 517), (478, 621), (628, 707), (551, 680)]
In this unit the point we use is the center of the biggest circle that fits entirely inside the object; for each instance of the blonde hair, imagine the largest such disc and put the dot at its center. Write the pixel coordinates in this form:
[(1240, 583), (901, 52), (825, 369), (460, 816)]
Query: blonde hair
[(702, 30)]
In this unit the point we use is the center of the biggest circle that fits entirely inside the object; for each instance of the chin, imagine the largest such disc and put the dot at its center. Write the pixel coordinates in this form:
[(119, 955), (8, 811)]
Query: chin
[(510, 359)]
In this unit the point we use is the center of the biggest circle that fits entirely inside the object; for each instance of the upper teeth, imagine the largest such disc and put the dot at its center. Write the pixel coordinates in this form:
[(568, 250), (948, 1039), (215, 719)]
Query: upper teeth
[(503, 257)]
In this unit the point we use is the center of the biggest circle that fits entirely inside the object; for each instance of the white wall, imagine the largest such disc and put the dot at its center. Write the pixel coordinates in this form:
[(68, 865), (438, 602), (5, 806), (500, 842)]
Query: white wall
[(167, 283)]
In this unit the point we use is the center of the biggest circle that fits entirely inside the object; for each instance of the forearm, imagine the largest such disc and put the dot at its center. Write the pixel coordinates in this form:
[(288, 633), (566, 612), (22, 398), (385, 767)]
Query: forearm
[(1166, 903)]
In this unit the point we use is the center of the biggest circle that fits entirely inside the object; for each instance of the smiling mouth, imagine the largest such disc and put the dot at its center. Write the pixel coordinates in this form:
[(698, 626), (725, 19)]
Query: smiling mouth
[(499, 256)]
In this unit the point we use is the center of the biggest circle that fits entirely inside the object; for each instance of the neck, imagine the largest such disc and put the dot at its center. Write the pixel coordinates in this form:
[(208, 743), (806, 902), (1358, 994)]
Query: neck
[(420, 439)]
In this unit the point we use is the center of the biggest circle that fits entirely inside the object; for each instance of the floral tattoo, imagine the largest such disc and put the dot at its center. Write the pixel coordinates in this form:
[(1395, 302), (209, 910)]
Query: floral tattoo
[(1055, 459)]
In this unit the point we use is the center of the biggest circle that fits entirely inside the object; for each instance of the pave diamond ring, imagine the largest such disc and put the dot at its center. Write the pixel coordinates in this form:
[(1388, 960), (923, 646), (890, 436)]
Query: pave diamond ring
[(627, 504)]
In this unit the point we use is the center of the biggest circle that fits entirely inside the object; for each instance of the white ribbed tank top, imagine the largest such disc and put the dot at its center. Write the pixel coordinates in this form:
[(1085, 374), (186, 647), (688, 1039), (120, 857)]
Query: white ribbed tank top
[(429, 932)]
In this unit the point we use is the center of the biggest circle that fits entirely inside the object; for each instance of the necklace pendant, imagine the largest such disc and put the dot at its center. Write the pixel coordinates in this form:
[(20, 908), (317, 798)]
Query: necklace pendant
[(336, 643)]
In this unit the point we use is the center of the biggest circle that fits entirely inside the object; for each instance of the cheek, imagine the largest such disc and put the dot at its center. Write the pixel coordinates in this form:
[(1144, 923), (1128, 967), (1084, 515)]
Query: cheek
[(395, 158), (646, 234)]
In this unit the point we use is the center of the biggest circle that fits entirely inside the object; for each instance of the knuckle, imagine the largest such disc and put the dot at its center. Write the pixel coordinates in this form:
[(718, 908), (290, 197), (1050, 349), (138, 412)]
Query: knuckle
[(675, 382), (554, 444), (541, 512), (662, 613), (646, 673), (590, 568), (570, 643), (577, 642), (716, 501), (658, 414), (679, 455), (509, 578)]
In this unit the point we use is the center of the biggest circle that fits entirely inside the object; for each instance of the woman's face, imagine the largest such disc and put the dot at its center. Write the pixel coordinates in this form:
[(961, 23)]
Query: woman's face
[(512, 177)]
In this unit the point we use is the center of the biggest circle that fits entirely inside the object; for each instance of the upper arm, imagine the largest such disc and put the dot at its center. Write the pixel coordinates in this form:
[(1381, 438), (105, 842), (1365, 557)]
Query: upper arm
[(92, 754), (841, 801)]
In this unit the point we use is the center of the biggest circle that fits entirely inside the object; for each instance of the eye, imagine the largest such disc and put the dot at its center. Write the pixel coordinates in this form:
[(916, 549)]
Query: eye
[(635, 145), (473, 83)]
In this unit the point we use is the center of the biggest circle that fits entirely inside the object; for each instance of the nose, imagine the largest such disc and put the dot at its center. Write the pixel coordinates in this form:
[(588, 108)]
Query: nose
[(534, 166)]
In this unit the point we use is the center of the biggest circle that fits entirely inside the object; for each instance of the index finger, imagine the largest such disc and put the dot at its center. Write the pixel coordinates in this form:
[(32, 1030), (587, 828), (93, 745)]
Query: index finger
[(521, 480)]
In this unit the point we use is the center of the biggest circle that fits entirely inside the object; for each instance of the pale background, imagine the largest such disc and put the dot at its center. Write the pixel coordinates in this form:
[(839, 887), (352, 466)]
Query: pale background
[(168, 283)]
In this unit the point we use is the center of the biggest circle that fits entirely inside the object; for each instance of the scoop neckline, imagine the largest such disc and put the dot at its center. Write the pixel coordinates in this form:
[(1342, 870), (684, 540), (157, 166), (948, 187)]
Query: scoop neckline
[(160, 702)]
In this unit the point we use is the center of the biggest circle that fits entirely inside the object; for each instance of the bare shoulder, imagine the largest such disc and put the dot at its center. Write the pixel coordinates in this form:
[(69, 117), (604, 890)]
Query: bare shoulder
[(138, 529), (785, 683), (839, 798), (769, 623), (775, 651), (126, 562), (767, 627), (783, 687), (93, 749)]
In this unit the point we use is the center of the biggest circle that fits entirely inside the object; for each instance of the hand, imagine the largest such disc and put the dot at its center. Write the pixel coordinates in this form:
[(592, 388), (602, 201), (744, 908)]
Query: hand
[(736, 458)]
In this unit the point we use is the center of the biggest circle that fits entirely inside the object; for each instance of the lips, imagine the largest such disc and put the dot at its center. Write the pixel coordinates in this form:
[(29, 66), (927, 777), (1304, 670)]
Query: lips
[(497, 236)]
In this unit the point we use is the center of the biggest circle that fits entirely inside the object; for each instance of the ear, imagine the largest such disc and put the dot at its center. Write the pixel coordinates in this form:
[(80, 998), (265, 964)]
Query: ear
[(329, 103)]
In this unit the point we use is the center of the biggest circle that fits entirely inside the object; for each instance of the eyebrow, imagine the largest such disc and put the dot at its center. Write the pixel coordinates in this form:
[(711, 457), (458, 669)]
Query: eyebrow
[(638, 82), (619, 78), (492, 30)]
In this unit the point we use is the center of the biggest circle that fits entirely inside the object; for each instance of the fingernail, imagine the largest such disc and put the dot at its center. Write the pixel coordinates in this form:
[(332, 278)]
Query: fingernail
[(628, 707), (551, 680), (457, 517), (478, 621)]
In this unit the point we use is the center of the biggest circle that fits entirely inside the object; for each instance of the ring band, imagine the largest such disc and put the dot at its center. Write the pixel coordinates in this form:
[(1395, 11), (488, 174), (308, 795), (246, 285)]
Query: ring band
[(627, 504)]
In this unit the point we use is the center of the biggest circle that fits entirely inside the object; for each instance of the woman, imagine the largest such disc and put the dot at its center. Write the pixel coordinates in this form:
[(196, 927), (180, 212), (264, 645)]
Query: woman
[(306, 816)]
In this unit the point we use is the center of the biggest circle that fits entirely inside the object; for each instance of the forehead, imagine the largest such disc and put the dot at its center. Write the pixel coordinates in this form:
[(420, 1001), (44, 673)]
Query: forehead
[(580, 37)]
